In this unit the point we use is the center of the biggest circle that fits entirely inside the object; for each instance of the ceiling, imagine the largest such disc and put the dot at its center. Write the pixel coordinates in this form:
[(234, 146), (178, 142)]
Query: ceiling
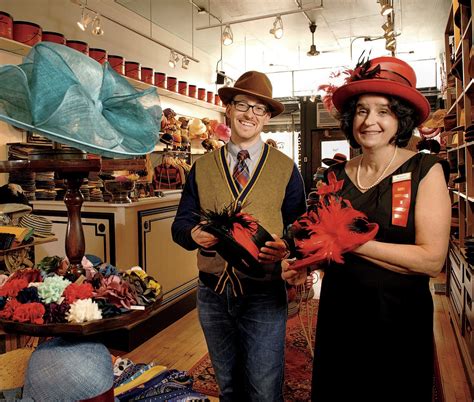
[(341, 28)]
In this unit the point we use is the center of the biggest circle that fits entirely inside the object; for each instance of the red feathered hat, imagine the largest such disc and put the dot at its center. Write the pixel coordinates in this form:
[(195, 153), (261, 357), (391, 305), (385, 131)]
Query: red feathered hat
[(386, 76)]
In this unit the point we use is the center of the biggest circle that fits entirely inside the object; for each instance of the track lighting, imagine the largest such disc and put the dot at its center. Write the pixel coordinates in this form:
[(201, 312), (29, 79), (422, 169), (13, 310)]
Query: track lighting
[(85, 20), (184, 62), (277, 30), (227, 36), (173, 59), (387, 7), (96, 27)]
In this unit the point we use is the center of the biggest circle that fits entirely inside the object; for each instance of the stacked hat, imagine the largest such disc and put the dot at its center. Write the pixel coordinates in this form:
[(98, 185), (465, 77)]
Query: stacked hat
[(41, 226), (469, 243), (469, 133)]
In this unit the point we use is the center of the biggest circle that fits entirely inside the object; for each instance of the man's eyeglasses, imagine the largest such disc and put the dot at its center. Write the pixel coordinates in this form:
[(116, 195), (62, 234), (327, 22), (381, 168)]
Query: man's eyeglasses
[(258, 110)]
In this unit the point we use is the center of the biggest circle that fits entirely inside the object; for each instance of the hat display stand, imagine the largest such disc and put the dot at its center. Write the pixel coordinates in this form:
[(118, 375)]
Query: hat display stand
[(73, 171)]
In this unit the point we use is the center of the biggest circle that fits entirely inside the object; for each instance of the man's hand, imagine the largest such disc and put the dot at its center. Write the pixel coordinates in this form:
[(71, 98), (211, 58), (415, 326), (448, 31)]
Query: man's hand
[(293, 277), (204, 239), (273, 251)]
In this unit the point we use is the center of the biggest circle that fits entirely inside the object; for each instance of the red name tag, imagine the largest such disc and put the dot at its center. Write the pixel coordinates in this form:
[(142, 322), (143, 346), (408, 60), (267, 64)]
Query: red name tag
[(401, 198)]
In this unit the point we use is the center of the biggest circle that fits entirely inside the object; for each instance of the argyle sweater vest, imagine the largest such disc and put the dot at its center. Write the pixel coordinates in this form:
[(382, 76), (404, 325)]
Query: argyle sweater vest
[(262, 197)]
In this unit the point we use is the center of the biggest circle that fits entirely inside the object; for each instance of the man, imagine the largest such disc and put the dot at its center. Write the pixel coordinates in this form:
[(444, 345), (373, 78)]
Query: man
[(243, 320)]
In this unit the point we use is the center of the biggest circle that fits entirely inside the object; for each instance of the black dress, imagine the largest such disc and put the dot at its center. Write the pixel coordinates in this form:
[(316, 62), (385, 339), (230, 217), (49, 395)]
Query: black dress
[(374, 337)]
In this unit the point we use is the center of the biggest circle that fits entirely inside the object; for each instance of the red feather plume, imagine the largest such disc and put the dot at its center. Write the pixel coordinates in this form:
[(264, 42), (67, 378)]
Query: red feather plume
[(331, 229)]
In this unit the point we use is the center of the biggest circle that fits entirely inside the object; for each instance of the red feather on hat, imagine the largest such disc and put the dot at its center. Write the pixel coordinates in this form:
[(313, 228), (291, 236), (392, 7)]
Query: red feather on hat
[(331, 229)]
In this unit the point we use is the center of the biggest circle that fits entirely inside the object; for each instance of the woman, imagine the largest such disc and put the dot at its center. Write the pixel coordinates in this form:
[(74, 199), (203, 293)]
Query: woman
[(374, 339)]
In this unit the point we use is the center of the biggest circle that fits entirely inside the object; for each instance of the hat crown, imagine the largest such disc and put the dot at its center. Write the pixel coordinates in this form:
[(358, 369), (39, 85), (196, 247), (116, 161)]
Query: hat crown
[(394, 69), (256, 82)]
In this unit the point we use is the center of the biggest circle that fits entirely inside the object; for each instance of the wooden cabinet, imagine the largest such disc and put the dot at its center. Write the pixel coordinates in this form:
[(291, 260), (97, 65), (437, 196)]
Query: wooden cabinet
[(460, 149)]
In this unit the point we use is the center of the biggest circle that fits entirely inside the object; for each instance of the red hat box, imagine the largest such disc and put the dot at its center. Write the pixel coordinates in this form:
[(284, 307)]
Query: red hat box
[(183, 87), (147, 75), (27, 32), (55, 37), (160, 79), (202, 94), (172, 84), (117, 63), (79, 45), (132, 69), (192, 90), (99, 55), (217, 100), (6, 25), (210, 96)]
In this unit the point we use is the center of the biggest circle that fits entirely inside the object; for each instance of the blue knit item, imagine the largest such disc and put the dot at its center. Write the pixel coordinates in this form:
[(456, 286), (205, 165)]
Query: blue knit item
[(72, 99)]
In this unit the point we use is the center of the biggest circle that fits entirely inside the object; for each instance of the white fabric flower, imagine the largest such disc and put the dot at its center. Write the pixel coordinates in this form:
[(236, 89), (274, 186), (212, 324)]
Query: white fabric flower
[(84, 310)]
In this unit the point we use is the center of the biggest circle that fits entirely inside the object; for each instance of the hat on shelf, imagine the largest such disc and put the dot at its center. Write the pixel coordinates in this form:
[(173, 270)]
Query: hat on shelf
[(42, 227), (72, 99), (256, 84), (337, 158), (382, 75), (61, 370)]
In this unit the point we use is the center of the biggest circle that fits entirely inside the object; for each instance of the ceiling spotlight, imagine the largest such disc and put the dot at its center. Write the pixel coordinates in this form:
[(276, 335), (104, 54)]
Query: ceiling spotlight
[(227, 36), (387, 7), (96, 28), (173, 59), (85, 20), (277, 30), (185, 62)]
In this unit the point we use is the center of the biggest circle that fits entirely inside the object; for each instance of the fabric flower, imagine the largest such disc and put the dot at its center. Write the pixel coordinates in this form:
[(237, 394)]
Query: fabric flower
[(29, 274), (52, 288), (28, 295), (84, 310), (116, 291), (29, 312), (50, 264), (11, 288), (75, 291), (9, 308), (3, 301), (56, 313)]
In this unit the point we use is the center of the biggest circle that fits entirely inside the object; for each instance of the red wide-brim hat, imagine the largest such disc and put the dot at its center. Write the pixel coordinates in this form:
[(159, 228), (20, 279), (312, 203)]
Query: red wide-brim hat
[(394, 78)]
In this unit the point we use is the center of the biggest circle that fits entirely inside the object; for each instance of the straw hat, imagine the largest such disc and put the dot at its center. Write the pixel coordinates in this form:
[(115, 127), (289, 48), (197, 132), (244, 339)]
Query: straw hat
[(70, 98), (14, 364), (42, 227), (386, 76)]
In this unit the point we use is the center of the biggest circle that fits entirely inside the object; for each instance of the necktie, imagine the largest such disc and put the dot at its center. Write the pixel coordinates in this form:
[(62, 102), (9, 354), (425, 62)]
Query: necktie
[(241, 170)]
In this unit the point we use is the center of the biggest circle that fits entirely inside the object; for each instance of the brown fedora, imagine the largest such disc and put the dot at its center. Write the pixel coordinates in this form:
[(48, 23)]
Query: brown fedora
[(253, 83), (337, 158)]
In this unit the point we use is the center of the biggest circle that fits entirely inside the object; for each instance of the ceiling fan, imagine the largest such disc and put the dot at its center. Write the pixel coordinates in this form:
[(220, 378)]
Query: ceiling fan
[(312, 50)]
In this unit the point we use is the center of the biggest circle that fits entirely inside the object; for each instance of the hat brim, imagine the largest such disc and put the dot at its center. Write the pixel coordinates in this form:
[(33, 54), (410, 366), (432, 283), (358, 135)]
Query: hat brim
[(227, 94), (330, 161), (383, 87), (117, 152)]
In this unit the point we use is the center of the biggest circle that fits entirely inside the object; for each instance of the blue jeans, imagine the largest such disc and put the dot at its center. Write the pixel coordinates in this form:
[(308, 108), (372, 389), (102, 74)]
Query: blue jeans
[(245, 337)]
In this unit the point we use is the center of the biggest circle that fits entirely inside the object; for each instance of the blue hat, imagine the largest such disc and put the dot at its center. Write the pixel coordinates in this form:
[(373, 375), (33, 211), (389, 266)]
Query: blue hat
[(61, 370), (72, 99)]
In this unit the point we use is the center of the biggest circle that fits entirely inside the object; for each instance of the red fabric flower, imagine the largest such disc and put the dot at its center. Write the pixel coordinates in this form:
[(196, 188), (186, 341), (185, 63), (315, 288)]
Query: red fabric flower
[(29, 312), (75, 291), (243, 234), (9, 308), (30, 274), (12, 287)]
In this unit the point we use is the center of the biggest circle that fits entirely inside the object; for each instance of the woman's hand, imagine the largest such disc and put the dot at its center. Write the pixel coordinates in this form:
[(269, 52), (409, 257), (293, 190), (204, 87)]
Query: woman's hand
[(293, 277), (202, 238)]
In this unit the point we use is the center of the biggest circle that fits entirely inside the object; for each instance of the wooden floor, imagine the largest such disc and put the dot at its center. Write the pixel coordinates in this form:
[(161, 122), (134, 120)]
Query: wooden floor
[(182, 344)]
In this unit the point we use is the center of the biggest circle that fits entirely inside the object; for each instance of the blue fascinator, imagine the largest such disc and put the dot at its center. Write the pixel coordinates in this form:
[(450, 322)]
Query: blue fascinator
[(72, 99)]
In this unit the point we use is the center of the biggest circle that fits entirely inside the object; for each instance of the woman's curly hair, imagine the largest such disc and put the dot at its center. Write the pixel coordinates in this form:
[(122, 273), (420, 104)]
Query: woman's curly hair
[(404, 112)]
